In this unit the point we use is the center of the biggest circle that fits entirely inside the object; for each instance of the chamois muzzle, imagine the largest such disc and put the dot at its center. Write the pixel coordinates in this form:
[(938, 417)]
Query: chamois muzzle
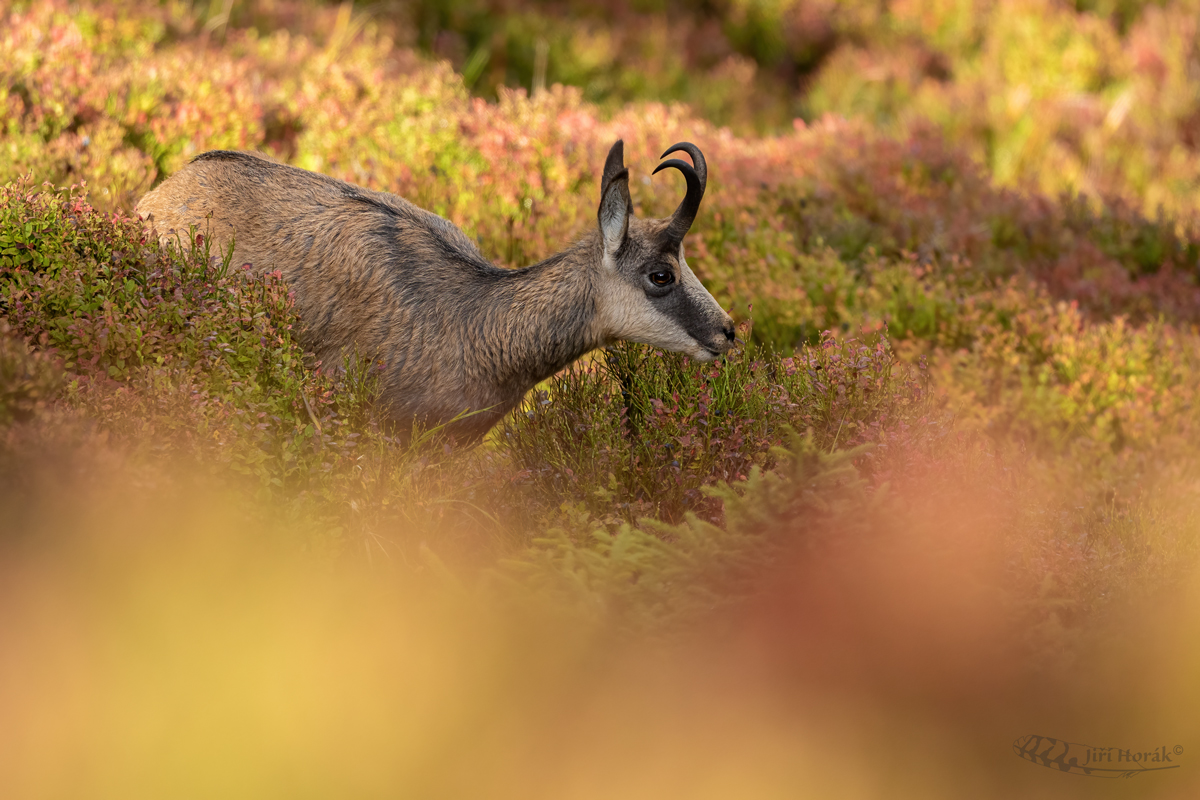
[(697, 178)]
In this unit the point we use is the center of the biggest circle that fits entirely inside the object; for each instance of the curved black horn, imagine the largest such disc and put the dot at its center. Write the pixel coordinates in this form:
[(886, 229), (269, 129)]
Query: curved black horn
[(697, 160), (685, 215)]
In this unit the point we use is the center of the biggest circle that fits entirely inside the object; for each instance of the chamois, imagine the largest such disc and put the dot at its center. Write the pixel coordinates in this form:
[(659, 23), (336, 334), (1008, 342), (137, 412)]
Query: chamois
[(375, 274)]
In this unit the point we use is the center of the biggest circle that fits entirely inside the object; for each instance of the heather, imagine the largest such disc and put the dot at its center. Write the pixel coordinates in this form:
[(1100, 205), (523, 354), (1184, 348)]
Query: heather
[(949, 469)]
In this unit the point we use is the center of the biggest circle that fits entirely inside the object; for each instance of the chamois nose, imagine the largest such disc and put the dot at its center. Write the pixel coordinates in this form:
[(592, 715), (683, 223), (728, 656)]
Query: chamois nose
[(730, 333)]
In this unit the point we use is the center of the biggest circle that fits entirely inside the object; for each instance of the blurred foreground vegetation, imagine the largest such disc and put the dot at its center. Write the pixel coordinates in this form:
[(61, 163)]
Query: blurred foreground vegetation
[(954, 463)]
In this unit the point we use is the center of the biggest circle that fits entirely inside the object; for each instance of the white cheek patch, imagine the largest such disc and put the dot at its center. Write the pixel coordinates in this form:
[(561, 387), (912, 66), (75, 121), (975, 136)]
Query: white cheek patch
[(652, 327), (628, 315)]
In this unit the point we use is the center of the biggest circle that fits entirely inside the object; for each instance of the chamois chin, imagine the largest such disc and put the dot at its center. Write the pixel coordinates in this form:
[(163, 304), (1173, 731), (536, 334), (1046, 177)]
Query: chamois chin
[(373, 273)]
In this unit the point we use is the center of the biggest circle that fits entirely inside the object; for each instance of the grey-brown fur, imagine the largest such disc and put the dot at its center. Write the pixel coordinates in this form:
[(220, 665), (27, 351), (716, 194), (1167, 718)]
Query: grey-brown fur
[(372, 272)]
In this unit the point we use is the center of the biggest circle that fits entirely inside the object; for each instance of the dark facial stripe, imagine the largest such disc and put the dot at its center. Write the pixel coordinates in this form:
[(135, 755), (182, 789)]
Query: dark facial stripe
[(693, 312)]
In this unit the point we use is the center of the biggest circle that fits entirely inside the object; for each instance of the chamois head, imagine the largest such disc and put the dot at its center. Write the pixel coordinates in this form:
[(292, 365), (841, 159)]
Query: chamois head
[(650, 295)]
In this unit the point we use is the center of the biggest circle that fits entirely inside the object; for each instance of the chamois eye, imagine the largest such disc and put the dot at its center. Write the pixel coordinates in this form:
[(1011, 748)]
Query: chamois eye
[(661, 278)]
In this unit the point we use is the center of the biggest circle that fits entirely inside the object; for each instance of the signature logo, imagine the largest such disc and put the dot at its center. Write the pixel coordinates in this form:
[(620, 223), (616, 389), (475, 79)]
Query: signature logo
[(1099, 762)]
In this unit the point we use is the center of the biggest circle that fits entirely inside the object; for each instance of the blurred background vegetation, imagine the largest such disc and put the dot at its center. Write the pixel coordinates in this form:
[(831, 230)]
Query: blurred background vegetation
[(1092, 96)]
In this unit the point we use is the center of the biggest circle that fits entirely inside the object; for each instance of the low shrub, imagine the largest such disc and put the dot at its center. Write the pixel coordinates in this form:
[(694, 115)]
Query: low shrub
[(640, 433)]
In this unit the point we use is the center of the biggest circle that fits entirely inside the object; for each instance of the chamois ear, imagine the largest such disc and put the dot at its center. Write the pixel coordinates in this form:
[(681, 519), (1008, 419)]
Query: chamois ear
[(613, 165), (615, 203)]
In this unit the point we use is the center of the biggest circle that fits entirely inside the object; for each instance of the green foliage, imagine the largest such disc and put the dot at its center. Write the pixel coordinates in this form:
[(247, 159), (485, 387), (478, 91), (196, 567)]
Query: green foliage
[(640, 433), (210, 351), (1043, 376), (109, 304), (1090, 99), (659, 574)]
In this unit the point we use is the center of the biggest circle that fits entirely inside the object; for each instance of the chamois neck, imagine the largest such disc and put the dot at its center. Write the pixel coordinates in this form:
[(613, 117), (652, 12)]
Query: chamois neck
[(540, 318)]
